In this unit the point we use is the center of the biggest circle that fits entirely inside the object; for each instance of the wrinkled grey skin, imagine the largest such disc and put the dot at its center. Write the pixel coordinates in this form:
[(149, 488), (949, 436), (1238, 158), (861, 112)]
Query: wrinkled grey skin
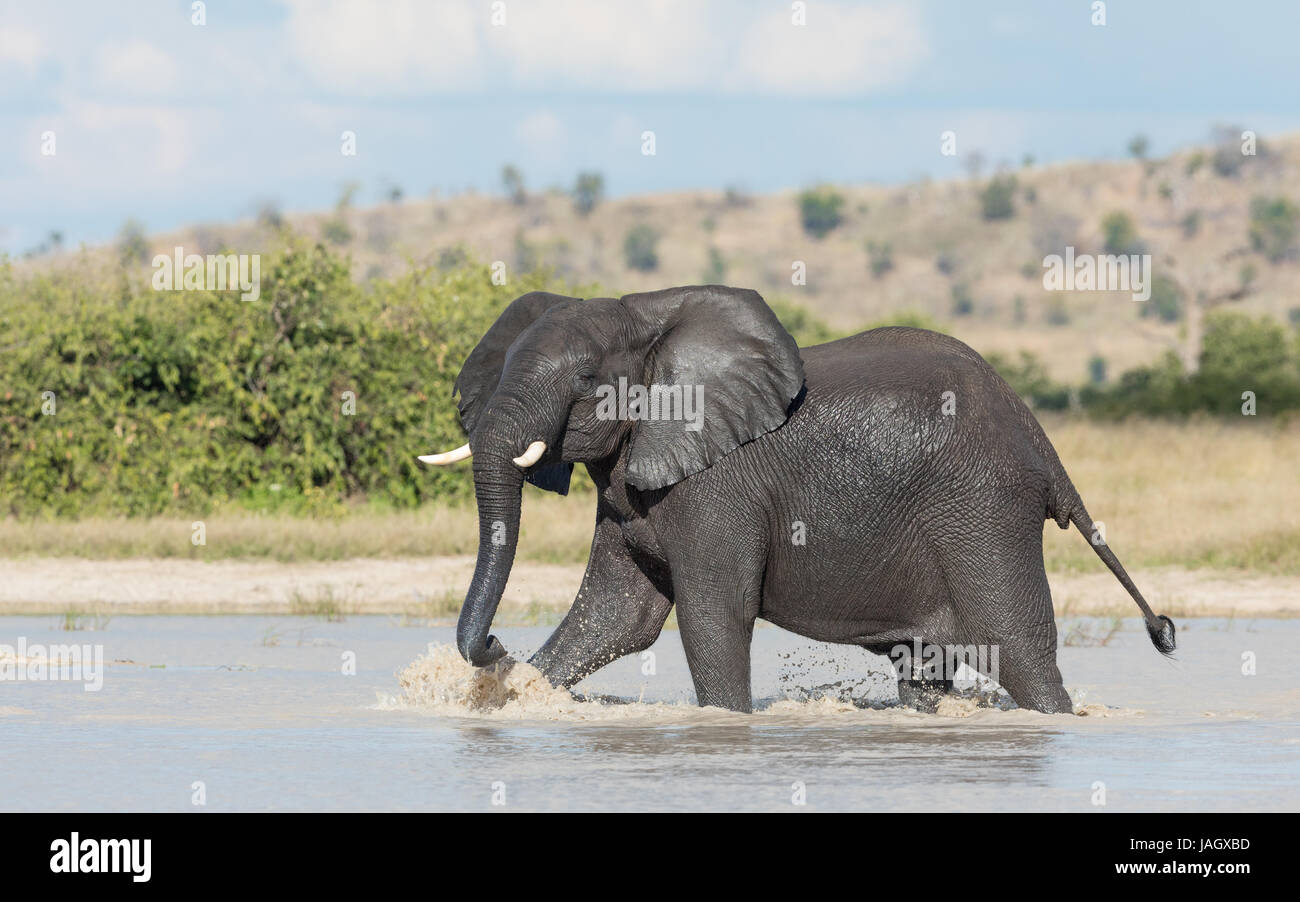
[(918, 523)]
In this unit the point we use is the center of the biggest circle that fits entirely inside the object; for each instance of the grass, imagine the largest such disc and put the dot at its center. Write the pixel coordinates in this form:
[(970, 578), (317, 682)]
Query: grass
[(324, 603), (554, 530), (1195, 494), (76, 620)]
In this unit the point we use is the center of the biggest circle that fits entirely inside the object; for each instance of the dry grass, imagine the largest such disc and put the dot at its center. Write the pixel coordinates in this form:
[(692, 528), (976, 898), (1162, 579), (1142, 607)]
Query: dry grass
[(554, 530), (1192, 494)]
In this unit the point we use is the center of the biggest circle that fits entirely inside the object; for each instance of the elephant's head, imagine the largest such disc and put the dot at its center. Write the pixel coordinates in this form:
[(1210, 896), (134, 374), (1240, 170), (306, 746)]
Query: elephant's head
[(540, 391)]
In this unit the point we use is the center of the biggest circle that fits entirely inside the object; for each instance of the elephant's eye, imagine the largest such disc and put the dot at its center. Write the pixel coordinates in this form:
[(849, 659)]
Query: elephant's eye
[(584, 382)]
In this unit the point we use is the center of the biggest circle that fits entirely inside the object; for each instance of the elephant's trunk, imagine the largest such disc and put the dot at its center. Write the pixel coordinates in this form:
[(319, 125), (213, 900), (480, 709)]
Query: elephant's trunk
[(498, 484)]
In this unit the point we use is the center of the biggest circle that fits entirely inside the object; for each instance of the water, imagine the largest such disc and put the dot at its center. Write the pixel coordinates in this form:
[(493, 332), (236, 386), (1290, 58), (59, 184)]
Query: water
[(259, 711)]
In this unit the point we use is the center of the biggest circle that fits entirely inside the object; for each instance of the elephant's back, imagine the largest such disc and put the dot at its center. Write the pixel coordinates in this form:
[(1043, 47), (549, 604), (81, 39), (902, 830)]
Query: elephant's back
[(904, 405), (890, 357)]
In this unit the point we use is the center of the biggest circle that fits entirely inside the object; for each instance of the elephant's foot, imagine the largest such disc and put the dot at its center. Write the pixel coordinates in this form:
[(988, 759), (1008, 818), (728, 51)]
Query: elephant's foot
[(923, 695)]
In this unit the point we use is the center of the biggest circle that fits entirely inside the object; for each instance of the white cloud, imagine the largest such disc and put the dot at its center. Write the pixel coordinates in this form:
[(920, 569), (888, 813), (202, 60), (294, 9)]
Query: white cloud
[(669, 45), (842, 50), (21, 47), (93, 157), (137, 67), (674, 46), (396, 46)]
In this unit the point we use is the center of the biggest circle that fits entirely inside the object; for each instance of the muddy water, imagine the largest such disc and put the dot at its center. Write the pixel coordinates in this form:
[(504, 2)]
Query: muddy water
[(261, 713)]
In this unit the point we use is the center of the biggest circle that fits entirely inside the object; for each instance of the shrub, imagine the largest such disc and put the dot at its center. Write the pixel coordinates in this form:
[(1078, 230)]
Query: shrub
[(716, 271), (188, 401), (1273, 227), (1028, 378), (820, 210), (1241, 354), (806, 328), (1166, 301), (1120, 234), (1097, 369), (1057, 313), (1227, 158), (1238, 354), (131, 245), (962, 302), (640, 248), (880, 258), (997, 200), (588, 191), (512, 180), (336, 231)]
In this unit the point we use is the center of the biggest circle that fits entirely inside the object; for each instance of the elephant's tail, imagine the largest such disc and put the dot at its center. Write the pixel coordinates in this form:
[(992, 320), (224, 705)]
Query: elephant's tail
[(1159, 627)]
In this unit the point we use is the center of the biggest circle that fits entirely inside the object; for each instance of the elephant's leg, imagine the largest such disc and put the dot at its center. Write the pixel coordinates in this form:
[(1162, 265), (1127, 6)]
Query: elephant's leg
[(1037, 687), (618, 611), (1028, 671), (1009, 602), (716, 622)]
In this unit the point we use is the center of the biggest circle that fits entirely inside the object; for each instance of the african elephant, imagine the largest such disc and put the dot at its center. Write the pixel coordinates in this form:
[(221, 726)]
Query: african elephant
[(874, 491)]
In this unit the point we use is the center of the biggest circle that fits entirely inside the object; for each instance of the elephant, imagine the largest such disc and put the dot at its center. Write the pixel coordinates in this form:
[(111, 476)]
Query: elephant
[(877, 490)]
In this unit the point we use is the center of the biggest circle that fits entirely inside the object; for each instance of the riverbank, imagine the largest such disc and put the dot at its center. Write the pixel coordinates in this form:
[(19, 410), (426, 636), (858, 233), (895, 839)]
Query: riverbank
[(433, 587)]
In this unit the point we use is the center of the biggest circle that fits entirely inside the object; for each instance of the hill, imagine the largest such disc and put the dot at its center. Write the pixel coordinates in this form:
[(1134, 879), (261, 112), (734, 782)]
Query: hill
[(934, 248)]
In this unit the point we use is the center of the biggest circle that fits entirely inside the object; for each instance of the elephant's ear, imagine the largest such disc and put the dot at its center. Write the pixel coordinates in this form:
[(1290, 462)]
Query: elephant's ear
[(723, 347), (482, 371)]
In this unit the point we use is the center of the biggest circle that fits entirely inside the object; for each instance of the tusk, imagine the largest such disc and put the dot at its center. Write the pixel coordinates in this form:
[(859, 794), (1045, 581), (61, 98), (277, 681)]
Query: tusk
[(446, 457), (532, 455)]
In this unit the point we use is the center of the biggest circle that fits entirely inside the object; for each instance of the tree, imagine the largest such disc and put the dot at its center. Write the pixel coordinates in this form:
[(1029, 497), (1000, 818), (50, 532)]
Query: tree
[(819, 210), (513, 181), (640, 248), (1273, 227), (588, 191), (131, 244), (997, 200), (1120, 234), (1138, 146)]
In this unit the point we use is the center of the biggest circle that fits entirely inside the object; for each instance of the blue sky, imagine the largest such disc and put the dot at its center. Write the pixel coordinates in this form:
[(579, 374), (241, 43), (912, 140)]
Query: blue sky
[(170, 122)]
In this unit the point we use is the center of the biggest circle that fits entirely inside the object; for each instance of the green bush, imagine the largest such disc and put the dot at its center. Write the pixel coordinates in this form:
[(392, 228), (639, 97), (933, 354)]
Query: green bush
[(1166, 301), (716, 271), (588, 191), (1120, 234), (191, 401), (880, 258), (640, 248), (820, 210), (997, 200), (806, 328), (1273, 227), (1238, 354), (1028, 377)]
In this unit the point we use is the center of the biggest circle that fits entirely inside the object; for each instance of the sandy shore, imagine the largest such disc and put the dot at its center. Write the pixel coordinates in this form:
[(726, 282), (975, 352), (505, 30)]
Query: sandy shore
[(436, 585)]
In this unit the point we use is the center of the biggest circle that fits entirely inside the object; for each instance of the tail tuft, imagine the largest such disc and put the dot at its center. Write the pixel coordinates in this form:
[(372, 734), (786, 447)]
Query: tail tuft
[(1162, 634)]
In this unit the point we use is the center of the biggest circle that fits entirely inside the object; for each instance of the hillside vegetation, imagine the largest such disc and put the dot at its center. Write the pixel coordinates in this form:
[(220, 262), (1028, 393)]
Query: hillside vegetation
[(1221, 227), (119, 399)]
